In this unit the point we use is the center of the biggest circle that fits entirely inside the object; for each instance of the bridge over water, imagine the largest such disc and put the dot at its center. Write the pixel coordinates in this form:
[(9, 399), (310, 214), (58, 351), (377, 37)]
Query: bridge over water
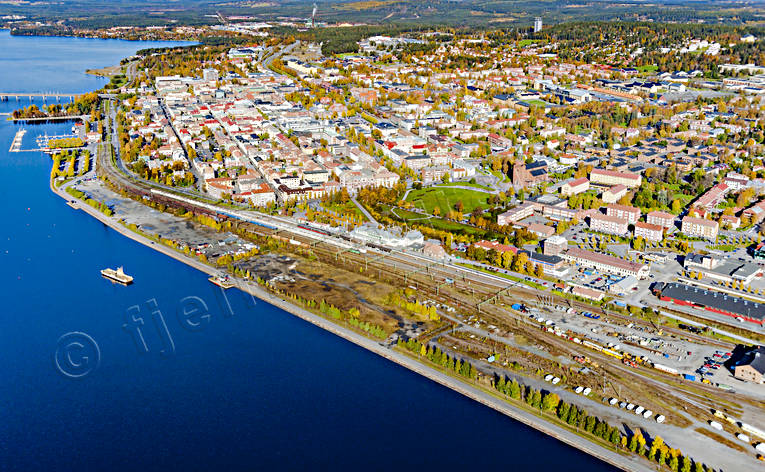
[(5, 96), (50, 118)]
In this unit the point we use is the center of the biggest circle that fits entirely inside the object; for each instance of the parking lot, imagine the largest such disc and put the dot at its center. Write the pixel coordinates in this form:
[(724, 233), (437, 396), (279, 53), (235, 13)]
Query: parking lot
[(199, 238)]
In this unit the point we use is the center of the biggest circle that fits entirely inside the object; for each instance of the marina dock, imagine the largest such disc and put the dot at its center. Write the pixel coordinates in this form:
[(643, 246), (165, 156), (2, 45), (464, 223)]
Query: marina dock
[(16, 143)]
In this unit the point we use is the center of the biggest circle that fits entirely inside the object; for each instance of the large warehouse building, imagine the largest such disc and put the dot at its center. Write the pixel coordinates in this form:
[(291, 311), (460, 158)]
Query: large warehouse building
[(607, 263), (716, 302)]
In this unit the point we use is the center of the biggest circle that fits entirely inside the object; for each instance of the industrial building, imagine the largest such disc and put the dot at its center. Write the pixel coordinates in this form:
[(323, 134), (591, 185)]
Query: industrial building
[(606, 263), (723, 270), (716, 302), (752, 367)]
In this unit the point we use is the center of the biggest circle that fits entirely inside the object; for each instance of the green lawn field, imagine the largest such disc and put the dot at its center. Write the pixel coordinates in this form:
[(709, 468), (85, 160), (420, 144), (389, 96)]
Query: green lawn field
[(445, 197)]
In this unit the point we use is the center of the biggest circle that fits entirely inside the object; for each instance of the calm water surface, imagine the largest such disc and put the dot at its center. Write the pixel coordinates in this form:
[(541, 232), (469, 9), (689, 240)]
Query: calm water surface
[(257, 390)]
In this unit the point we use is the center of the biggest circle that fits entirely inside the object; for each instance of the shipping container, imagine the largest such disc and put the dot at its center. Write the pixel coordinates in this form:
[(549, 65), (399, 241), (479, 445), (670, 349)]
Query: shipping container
[(664, 368), (689, 377)]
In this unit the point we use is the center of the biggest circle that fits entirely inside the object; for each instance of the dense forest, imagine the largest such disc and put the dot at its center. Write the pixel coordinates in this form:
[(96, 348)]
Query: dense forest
[(493, 13)]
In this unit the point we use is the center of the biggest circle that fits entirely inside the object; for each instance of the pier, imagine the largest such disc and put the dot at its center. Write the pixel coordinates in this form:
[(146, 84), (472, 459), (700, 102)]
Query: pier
[(16, 143), (43, 140)]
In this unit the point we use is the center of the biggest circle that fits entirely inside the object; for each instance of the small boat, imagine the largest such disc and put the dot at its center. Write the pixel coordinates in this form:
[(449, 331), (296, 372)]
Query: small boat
[(117, 275), (222, 281)]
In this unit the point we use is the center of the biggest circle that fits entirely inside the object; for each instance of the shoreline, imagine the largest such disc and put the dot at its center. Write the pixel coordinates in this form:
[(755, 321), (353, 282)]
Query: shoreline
[(613, 458)]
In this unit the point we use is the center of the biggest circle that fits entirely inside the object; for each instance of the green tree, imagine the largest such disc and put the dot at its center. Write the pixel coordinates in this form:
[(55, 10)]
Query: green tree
[(515, 390), (563, 408), (536, 399), (550, 402)]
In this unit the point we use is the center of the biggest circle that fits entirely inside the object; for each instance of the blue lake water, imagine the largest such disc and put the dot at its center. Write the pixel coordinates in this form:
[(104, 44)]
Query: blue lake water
[(259, 389)]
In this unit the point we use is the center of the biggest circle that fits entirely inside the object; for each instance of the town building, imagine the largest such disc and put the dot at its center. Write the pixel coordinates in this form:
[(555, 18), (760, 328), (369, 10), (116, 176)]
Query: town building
[(575, 187), (608, 224), (649, 232), (537, 24), (210, 75), (759, 251), (614, 194), (623, 286), (434, 250), (755, 213), (699, 228), (529, 175), (711, 198), (629, 213), (513, 215), (554, 245), (661, 218), (588, 293), (615, 177), (542, 231)]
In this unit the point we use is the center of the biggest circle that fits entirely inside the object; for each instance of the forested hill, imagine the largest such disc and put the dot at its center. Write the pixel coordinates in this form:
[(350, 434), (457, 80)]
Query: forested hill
[(492, 13)]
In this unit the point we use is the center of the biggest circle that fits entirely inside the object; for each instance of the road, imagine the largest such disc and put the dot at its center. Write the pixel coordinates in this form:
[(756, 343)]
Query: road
[(286, 50)]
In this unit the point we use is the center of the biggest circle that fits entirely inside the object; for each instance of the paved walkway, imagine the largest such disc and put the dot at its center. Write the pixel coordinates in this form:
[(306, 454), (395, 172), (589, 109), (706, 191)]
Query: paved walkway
[(364, 211), (468, 187)]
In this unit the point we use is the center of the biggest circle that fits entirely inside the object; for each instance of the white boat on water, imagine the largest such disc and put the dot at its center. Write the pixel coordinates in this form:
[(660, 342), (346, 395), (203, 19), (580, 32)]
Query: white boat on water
[(118, 275)]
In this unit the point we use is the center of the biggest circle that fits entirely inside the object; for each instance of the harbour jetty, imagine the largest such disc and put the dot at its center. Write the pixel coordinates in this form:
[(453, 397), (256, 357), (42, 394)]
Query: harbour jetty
[(16, 143)]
